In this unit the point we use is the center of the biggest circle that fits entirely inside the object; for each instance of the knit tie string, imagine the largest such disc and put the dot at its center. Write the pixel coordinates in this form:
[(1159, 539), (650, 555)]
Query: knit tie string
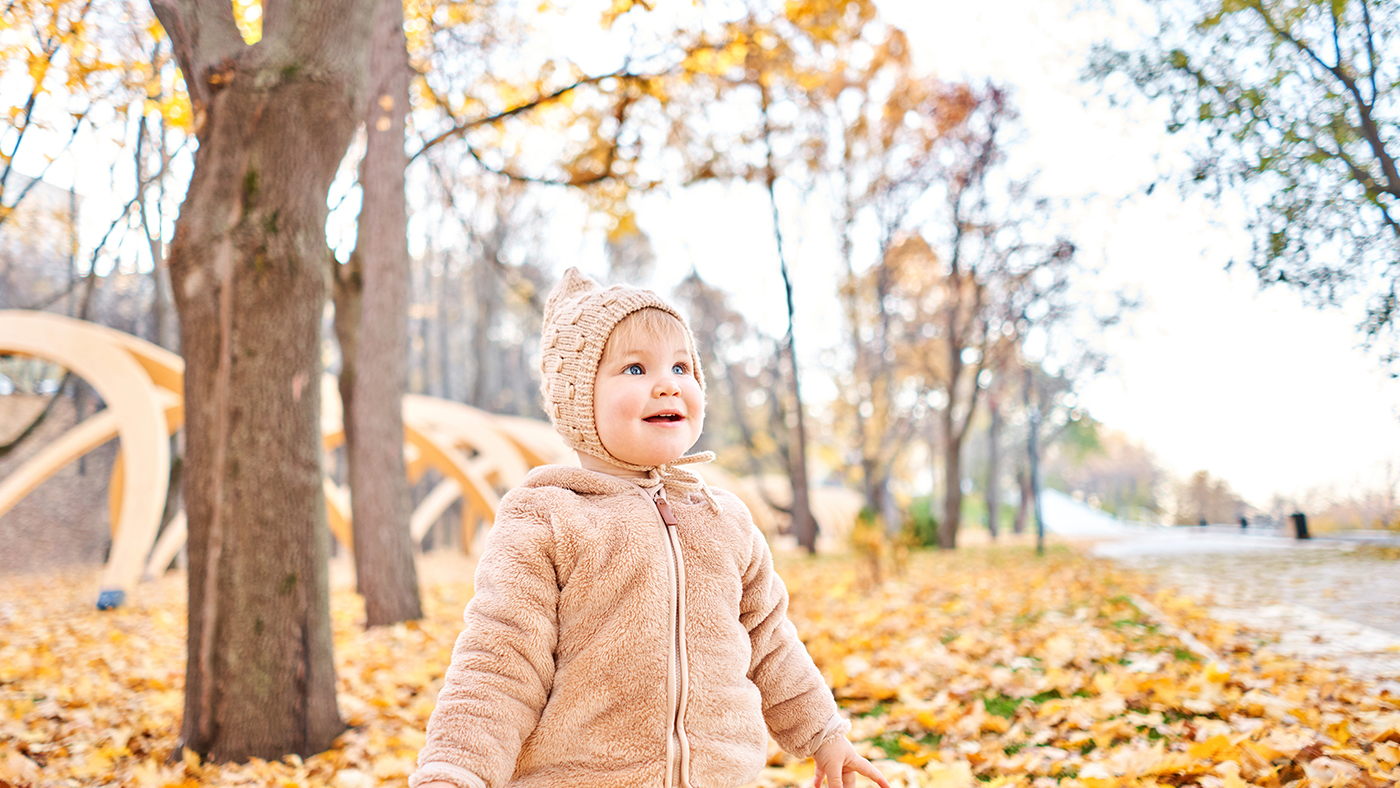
[(679, 480)]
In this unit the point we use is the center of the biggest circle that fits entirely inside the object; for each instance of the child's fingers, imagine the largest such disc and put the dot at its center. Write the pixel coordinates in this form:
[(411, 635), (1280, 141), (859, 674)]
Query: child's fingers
[(868, 769), (817, 783)]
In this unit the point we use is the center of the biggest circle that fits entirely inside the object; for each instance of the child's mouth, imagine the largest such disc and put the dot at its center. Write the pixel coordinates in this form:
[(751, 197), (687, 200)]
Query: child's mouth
[(664, 418)]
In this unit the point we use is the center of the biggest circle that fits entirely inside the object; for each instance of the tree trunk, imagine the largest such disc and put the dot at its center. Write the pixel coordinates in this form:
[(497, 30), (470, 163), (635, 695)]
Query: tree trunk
[(1023, 480), (889, 509), (444, 326), (952, 484), (804, 525), (423, 382), (993, 465), (379, 494), (248, 268), (347, 290), (1033, 464), (875, 487), (481, 331)]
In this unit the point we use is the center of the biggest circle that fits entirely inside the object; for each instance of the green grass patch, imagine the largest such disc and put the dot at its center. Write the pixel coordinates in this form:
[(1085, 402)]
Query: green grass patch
[(888, 743), (1001, 705), (879, 709)]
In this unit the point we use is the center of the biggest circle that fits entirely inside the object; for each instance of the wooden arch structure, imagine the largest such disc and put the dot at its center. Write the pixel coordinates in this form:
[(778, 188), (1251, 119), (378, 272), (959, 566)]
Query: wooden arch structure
[(478, 455), (143, 386)]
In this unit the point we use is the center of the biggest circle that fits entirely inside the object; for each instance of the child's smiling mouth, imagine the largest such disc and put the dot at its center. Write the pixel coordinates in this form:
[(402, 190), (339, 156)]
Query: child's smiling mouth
[(668, 417)]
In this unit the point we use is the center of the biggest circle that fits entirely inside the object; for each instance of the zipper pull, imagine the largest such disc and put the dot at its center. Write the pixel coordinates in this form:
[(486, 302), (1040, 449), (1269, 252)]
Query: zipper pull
[(665, 509)]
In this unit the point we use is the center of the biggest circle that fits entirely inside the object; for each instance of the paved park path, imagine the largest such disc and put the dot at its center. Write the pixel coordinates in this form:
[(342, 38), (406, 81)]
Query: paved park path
[(1325, 599)]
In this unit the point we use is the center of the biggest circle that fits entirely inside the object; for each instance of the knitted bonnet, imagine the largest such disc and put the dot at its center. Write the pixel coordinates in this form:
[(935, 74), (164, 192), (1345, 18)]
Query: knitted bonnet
[(579, 316)]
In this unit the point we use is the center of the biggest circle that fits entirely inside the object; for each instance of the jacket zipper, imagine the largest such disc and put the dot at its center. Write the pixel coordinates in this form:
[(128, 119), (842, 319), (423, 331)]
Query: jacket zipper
[(677, 690)]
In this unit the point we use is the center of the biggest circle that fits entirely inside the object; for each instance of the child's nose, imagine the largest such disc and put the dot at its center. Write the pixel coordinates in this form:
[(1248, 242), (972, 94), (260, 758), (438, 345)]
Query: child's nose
[(667, 386)]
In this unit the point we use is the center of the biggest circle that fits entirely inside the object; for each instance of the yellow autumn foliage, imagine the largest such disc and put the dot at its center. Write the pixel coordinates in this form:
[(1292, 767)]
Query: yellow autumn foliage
[(980, 667)]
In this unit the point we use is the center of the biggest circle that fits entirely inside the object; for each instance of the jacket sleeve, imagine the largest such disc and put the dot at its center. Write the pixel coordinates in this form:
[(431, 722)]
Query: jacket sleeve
[(797, 705), (502, 665)]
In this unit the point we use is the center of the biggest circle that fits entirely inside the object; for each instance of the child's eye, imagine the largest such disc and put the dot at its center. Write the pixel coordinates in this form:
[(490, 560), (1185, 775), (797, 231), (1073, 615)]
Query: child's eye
[(634, 369), (680, 369)]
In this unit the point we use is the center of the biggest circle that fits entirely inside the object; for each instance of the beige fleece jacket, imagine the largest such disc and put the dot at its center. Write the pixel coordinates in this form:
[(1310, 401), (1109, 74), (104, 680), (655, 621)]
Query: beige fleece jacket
[(580, 664)]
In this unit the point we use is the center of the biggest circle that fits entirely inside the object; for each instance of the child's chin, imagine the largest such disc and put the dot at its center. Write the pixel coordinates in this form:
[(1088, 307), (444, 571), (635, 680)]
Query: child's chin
[(652, 459), (659, 459)]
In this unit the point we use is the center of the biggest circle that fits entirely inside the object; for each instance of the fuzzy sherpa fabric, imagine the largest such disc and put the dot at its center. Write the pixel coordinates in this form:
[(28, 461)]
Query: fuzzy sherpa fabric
[(579, 316), (577, 651)]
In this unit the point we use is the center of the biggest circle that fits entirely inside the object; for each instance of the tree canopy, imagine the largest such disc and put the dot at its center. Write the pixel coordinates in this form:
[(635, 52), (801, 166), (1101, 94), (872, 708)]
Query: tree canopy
[(1294, 106)]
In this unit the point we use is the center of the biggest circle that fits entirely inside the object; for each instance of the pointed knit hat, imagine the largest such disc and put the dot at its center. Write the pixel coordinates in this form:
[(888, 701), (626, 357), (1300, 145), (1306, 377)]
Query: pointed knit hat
[(579, 316)]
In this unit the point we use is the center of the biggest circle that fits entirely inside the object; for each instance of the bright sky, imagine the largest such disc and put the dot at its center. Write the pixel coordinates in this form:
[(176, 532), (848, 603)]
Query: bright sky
[(1256, 387)]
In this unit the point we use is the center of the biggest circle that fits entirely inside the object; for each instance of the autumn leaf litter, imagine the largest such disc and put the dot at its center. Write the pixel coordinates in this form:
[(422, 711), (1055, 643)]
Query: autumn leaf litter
[(980, 667)]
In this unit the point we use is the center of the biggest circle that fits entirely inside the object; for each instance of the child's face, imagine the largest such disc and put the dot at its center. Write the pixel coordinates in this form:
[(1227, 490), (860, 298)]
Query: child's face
[(647, 404)]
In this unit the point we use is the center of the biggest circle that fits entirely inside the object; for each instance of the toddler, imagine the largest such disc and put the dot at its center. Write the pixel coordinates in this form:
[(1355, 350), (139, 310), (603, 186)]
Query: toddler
[(628, 628)]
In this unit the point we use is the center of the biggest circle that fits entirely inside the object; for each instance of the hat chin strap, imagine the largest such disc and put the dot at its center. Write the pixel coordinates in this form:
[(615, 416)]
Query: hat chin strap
[(671, 476)]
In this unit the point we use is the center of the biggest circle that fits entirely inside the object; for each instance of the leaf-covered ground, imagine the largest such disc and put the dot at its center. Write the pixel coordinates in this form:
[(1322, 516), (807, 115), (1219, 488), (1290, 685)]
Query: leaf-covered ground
[(983, 667)]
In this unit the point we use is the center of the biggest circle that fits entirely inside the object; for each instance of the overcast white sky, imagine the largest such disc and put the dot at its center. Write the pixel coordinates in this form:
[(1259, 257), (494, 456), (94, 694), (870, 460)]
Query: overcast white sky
[(1272, 395), (1258, 388)]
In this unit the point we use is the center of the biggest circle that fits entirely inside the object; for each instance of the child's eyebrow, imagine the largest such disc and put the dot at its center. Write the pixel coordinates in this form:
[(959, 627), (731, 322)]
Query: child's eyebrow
[(618, 355)]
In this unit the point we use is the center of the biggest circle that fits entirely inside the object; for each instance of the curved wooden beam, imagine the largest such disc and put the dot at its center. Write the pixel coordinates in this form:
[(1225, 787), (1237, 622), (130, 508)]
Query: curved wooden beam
[(170, 542), (442, 496), (536, 440), (165, 367), (77, 441), (132, 399), (174, 405), (464, 425), (437, 433), (338, 513), (455, 465)]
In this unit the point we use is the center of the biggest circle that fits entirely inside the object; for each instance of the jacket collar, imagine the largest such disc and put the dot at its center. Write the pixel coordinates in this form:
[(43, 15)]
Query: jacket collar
[(579, 480)]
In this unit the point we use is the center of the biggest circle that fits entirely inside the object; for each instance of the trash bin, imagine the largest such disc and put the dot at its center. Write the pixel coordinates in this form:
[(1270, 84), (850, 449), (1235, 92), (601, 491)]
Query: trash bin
[(1300, 525)]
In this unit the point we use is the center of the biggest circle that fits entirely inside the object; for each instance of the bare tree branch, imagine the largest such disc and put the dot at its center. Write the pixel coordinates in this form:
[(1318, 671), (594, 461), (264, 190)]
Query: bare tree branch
[(462, 127), (1370, 48), (1369, 129)]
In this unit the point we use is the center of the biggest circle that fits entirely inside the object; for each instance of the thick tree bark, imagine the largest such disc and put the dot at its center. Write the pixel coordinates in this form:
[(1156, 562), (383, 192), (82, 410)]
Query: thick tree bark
[(379, 502), (248, 268)]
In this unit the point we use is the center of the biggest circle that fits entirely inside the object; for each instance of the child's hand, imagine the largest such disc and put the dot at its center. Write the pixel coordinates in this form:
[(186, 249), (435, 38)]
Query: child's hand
[(838, 762)]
